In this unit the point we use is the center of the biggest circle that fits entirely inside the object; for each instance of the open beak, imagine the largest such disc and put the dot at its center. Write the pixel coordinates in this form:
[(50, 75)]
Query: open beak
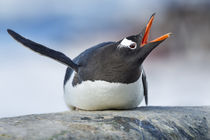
[(146, 33)]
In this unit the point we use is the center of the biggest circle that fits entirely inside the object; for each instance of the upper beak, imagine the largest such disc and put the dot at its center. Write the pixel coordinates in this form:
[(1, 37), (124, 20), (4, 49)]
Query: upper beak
[(146, 33)]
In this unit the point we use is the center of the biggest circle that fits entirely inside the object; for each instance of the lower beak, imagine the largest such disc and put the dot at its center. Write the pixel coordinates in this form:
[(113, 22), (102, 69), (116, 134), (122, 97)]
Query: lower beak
[(146, 34)]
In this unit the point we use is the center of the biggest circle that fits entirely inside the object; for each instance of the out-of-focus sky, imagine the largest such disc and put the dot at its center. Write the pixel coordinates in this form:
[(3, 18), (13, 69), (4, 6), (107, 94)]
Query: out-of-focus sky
[(177, 71)]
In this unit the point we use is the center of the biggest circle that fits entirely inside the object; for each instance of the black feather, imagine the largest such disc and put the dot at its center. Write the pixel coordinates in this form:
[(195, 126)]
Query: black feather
[(60, 57)]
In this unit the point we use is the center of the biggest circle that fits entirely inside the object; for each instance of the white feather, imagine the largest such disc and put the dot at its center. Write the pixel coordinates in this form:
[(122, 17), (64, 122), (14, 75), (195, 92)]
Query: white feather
[(125, 43), (99, 95)]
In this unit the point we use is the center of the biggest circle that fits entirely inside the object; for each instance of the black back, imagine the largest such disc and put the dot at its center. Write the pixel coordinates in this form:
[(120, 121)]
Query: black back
[(105, 62), (69, 71)]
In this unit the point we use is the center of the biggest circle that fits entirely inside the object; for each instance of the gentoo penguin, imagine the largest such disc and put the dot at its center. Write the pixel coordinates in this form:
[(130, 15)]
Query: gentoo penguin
[(107, 76)]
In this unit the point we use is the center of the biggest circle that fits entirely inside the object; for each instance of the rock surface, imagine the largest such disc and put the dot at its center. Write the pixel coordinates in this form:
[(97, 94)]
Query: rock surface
[(141, 123)]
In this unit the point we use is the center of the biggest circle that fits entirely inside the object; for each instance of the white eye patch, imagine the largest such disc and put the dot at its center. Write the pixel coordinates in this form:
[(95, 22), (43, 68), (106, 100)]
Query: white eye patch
[(127, 43)]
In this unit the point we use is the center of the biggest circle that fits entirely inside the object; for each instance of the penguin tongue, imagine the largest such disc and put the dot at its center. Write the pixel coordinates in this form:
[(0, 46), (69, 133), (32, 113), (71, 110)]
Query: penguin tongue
[(147, 30)]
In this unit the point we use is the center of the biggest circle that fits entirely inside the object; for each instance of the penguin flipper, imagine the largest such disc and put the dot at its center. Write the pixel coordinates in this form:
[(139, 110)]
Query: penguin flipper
[(60, 57), (145, 86)]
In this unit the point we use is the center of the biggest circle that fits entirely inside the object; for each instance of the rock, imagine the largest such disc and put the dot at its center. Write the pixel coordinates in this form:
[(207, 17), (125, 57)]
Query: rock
[(141, 123)]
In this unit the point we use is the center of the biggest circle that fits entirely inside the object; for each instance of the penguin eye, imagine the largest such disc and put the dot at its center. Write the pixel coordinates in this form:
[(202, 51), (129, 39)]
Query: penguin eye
[(132, 46)]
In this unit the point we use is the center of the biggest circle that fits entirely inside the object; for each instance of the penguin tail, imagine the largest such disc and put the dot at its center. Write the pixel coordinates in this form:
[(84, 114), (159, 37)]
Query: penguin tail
[(58, 56)]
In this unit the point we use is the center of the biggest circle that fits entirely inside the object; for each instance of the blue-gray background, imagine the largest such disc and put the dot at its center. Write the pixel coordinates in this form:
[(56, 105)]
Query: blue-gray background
[(178, 70)]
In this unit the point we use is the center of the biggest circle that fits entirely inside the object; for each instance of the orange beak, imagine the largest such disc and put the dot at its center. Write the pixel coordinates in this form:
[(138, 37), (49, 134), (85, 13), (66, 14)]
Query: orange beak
[(146, 34)]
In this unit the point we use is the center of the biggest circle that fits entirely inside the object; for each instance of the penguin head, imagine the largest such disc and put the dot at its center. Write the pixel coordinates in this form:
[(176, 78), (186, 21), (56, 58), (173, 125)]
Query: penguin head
[(136, 48)]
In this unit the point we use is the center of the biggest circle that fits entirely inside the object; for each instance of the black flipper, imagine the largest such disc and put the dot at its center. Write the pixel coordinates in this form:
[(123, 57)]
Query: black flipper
[(60, 57), (145, 86)]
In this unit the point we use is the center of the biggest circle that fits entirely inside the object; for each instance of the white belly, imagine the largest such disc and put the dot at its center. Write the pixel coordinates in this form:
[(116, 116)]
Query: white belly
[(100, 95)]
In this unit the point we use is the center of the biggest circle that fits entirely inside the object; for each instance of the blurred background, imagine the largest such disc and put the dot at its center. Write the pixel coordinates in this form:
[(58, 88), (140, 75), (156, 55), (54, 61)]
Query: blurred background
[(178, 71)]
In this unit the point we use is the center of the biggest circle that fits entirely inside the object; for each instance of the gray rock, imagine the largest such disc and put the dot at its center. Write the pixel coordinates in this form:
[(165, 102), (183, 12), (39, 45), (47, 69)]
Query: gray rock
[(141, 123)]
